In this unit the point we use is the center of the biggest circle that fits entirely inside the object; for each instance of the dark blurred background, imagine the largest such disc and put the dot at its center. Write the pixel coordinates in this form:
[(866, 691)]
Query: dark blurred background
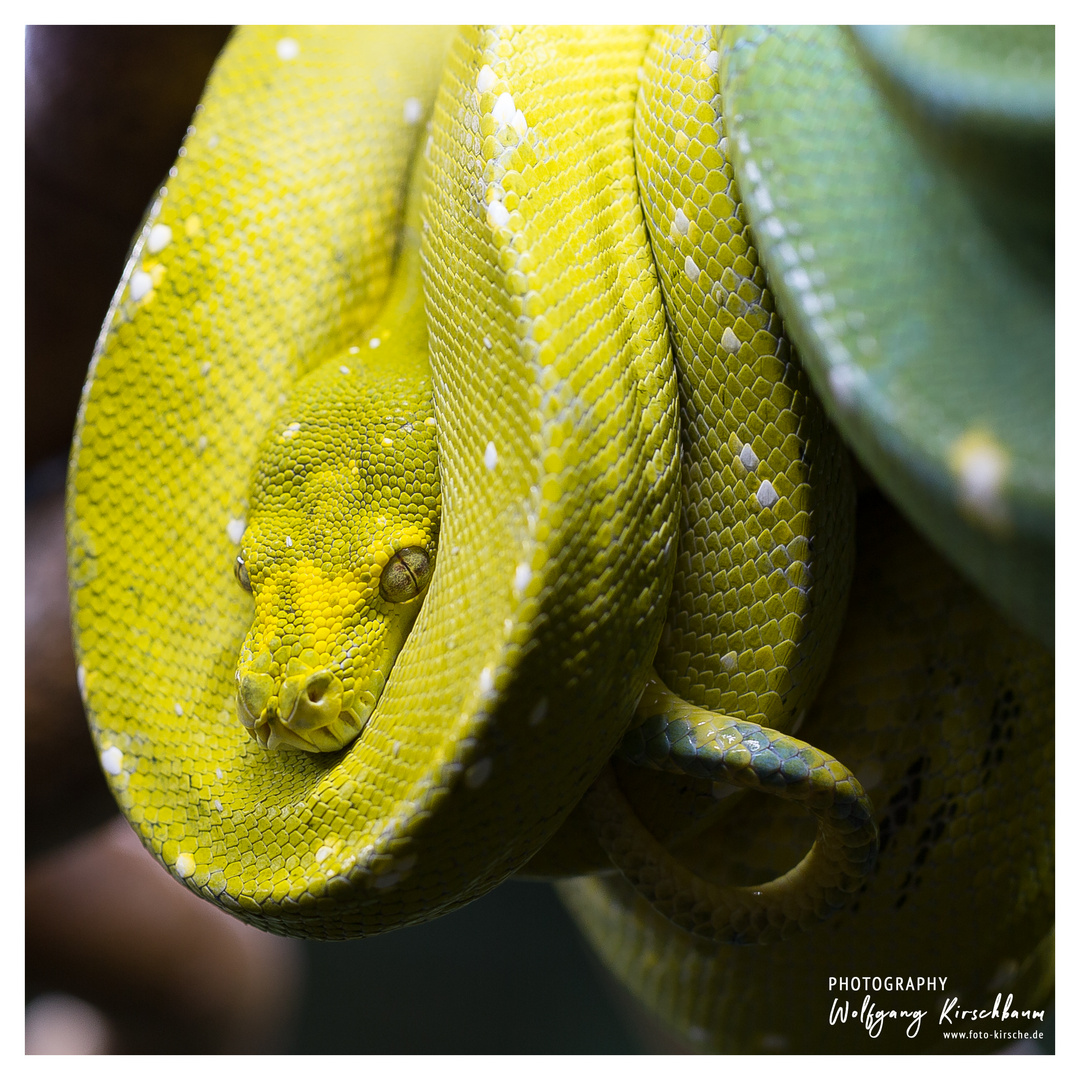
[(119, 958)]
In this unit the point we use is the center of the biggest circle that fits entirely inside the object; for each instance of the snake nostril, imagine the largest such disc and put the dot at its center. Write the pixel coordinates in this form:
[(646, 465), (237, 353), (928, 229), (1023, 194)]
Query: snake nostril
[(317, 686)]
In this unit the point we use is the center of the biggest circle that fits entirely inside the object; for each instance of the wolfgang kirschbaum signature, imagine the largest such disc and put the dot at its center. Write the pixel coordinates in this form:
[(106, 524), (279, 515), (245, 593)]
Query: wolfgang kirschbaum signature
[(955, 1019)]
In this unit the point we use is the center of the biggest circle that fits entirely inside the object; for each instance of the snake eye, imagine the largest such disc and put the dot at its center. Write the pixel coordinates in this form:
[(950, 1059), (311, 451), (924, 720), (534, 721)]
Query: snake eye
[(405, 575), (240, 570)]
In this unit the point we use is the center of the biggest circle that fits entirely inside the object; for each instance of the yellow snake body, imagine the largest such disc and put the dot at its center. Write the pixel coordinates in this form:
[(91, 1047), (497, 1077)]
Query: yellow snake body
[(632, 470)]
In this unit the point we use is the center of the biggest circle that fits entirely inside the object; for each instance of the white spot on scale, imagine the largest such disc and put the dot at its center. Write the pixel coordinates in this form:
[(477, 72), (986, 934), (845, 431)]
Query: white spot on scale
[(503, 110), (235, 529), (980, 463), (844, 382), (748, 457), (217, 806), (487, 342), (141, 283), (787, 252), (692, 271), (292, 430), (185, 864), (713, 60), (729, 660), (288, 541), (413, 110), (773, 227), (159, 238), (80, 678), (522, 577), (485, 79), (394, 873), (345, 369), (288, 48), (798, 278), (203, 443), (219, 774), (487, 681), (491, 457), (477, 773), (354, 349), (497, 214), (178, 708), (323, 853), (729, 340), (204, 368), (681, 222), (766, 495), (112, 760)]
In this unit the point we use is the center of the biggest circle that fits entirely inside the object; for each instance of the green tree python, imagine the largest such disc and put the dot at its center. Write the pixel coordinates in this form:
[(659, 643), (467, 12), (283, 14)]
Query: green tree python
[(541, 534)]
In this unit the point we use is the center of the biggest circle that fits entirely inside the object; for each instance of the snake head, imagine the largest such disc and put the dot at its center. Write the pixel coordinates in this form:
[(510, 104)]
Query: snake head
[(338, 553), (322, 645)]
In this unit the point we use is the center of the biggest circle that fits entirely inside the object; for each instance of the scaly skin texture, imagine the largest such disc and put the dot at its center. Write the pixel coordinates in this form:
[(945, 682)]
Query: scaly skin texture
[(927, 328), (557, 536), (342, 530), (945, 712), (766, 549), (351, 461), (171, 481), (679, 738), (593, 451)]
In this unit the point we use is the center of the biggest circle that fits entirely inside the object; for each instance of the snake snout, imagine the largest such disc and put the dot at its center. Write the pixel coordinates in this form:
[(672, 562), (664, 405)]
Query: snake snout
[(310, 700), (307, 709)]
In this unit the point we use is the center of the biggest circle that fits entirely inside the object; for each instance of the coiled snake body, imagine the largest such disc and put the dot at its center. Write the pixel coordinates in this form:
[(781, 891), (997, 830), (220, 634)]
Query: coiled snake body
[(614, 488)]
